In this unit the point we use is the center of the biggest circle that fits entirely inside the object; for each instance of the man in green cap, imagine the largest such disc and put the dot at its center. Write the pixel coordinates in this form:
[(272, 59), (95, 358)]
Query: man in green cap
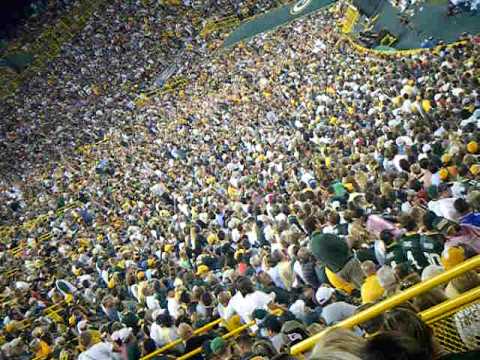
[(219, 348)]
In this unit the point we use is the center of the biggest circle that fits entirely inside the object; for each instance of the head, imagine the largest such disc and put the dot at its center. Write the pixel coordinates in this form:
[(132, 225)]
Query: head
[(461, 206), (218, 346), (340, 340), (272, 324), (244, 343), (369, 268), (264, 278), (264, 348), (395, 346), (304, 255), (406, 321), (244, 285), (283, 356), (335, 355), (466, 281), (164, 320), (293, 332), (373, 325), (387, 237), (429, 299), (408, 222), (148, 346), (386, 277), (325, 295), (185, 331), (224, 298)]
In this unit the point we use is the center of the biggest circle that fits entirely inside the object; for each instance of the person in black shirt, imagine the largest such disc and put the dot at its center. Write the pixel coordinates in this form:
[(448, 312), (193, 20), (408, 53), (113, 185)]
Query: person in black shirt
[(191, 340)]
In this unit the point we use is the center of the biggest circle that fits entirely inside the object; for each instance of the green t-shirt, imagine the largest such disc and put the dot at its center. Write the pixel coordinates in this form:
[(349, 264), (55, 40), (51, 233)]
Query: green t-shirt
[(413, 251), (339, 189), (432, 246), (133, 351), (395, 254)]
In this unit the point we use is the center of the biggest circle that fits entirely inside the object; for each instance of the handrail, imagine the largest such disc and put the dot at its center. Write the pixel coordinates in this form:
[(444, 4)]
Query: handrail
[(226, 336), (179, 341), (46, 312), (449, 307), (391, 302)]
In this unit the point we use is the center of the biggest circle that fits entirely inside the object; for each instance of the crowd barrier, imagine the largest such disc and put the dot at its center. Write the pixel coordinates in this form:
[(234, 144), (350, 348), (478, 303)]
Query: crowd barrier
[(177, 342), (227, 336), (351, 17), (443, 317), (221, 24)]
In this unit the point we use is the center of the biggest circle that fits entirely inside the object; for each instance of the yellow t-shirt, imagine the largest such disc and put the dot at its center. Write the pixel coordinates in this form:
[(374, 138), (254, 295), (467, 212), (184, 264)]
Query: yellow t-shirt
[(371, 289), (338, 282), (44, 350)]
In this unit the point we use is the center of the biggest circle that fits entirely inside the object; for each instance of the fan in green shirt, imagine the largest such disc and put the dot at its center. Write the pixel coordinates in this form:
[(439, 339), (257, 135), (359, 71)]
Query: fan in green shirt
[(394, 252), (432, 245)]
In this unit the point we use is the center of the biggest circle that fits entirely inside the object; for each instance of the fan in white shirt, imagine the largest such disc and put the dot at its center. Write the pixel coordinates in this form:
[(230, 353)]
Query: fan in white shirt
[(163, 330), (247, 300)]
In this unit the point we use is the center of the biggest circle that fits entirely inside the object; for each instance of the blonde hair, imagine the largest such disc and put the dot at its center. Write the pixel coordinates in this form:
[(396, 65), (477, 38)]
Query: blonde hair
[(334, 355), (185, 331), (341, 340)]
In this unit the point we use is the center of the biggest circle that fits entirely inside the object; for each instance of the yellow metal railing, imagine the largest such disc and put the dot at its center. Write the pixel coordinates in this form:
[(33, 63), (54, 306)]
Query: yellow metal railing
[(52, 312), (221, 24), (350, 19), (226, 336), (177, 342), (392, 302), (443, 319)]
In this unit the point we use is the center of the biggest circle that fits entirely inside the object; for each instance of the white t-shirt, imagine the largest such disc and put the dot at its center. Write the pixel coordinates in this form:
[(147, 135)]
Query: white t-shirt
[(152, 302), (173, 307), (275, 275), (162, 336), (158, 189), (338, 311), (100, 351), (245, 306), (444, 208)]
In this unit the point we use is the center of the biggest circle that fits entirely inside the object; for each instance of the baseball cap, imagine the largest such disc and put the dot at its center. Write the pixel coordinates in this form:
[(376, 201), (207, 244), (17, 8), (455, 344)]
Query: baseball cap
[(324, 294), (217, 345), (293, 332)]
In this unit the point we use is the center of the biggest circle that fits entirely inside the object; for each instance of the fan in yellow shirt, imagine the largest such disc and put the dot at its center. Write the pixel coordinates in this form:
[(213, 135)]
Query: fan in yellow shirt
[(371, 289)]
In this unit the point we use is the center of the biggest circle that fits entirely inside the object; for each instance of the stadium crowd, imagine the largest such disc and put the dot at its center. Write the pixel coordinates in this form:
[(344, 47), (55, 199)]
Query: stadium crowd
[(291, 173)]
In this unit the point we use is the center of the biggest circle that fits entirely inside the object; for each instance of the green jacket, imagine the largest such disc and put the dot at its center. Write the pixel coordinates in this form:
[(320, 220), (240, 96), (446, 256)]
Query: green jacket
[(330, 250)]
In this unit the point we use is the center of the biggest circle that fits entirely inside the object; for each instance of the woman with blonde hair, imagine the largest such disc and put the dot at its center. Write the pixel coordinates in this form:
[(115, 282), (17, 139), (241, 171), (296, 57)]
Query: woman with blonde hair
[(341, 340), (335, 355), (191, 341)]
